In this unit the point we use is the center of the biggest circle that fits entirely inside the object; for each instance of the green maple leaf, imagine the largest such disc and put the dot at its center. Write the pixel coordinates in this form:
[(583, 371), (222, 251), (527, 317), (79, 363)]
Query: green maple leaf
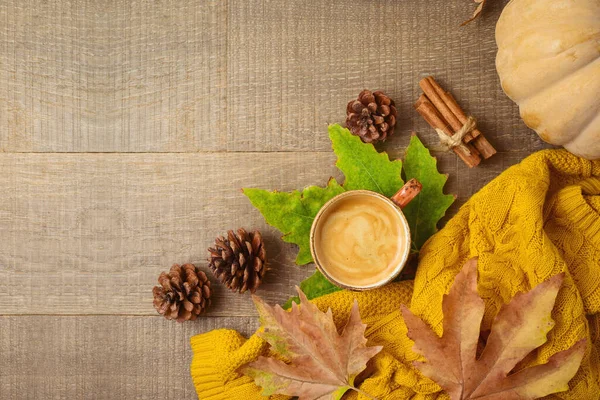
[(293, 212), (425, 211), (422, 214), (363, 166)]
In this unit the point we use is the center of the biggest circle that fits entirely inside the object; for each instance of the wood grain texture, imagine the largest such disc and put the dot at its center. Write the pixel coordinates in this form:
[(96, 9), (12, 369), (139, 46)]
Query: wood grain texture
[(236, 75), (92, 232), (101, 358), (112, 75), (293, 69), (89, 234)]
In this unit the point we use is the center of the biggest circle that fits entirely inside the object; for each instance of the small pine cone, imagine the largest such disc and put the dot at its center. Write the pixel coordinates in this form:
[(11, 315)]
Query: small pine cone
[(183, 294), (372, 116), (239, 261)]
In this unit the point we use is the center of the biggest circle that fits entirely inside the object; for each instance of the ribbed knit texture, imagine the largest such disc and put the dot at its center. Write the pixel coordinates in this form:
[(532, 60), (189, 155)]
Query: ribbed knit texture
[(537, 219)]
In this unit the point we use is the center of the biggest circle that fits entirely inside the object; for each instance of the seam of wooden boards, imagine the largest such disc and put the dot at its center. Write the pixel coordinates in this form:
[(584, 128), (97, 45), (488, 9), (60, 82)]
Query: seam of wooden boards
[(122, 315), (390, 151)]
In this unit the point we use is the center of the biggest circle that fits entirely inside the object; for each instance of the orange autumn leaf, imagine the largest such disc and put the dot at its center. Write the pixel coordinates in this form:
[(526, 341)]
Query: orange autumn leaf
[(519, 328), (323, 364)]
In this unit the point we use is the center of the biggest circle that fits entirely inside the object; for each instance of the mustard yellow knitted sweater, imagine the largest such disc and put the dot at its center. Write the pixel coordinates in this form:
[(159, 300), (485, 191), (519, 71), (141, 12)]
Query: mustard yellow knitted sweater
[(536, 219)]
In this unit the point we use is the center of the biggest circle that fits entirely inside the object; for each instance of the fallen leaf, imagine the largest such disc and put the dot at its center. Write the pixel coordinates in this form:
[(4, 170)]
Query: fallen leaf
[(476, 13), (293, 212), (314, 286), (363, 166), (520, 327), (425, 211), (422, 214), (322, 363)]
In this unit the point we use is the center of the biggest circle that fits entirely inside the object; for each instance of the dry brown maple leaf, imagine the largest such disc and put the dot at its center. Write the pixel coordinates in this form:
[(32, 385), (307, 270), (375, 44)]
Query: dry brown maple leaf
[(519, 328), (323, 363), (476, 13)]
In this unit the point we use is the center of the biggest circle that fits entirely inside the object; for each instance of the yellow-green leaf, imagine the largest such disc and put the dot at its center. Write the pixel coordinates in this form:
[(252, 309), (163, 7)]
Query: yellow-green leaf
[(364, 168), (362, 165), (293, 212), (424, 212)]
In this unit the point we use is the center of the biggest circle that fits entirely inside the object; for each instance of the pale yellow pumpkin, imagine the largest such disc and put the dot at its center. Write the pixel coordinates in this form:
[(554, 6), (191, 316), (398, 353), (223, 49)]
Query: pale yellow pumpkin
[(549, 64)]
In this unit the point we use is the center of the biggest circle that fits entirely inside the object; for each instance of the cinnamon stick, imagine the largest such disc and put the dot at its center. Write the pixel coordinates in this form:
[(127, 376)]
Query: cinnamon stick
[(435, 120), (454, 115), (484, 147), (456, 110), (434, 93)]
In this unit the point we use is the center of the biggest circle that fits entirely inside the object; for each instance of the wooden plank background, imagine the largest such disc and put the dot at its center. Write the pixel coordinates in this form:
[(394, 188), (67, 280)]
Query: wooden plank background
[(128, 128)]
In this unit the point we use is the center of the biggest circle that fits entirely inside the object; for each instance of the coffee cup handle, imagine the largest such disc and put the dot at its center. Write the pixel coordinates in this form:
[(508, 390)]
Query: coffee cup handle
[(407, 192)]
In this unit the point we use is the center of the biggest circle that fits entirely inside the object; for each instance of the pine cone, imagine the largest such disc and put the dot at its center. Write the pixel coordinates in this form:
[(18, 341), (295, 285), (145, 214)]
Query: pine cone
[(372, 116), (239, 261), (183, 294)]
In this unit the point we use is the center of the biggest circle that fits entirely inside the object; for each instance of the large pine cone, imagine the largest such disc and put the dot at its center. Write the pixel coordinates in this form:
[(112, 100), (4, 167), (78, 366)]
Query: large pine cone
[(183, 294), (372, 116), (239, 261)]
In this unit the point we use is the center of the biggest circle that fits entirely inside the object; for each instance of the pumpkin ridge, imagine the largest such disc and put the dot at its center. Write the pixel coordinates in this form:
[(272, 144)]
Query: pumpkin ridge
[(514, 42), (559, 80), (592, 33), (595, 109), (586, 124), (548, 62), (593, 37)]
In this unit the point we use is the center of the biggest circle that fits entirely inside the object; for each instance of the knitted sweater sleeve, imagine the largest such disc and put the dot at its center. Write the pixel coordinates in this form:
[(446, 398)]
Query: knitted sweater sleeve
[(219, 353), (217, 356)]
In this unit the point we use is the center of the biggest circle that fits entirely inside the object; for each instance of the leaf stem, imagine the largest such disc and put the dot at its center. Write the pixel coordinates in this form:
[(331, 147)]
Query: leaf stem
[(363, 393)]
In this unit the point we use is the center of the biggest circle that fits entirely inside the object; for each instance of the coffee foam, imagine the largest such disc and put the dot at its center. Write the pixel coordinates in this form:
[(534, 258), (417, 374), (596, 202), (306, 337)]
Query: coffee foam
[(360, 240)]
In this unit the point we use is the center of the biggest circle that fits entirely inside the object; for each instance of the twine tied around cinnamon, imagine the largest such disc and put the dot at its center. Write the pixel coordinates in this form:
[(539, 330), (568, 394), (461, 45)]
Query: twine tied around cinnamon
[(456, 140)]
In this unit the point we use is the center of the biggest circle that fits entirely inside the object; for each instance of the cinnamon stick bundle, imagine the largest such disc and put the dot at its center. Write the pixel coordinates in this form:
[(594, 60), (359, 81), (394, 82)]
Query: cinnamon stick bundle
[(442, 112)]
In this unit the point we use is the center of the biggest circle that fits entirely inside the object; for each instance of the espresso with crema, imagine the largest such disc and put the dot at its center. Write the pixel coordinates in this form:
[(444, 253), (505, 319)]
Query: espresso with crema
[(360, 240)]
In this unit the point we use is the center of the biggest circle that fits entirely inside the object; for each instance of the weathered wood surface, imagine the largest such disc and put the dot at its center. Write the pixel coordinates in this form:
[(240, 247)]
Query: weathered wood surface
[(237, 75), (90, 233), (114, 75), (101, 357), (237, 93)]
